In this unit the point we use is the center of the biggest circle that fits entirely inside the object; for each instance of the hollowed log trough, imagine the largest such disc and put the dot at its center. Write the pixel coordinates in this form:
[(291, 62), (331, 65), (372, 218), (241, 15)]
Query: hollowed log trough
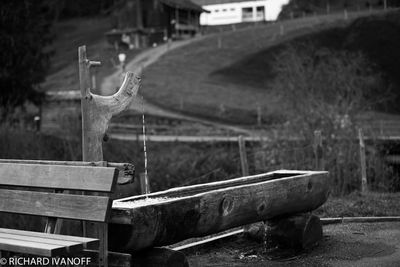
[(167, 217)]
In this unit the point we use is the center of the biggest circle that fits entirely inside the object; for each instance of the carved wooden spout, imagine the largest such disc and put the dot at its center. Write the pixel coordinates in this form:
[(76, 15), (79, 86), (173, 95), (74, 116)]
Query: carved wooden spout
[(97, 111)]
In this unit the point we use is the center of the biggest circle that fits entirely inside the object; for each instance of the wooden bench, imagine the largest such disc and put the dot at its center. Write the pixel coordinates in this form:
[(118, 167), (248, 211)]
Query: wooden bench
[(45, 190)]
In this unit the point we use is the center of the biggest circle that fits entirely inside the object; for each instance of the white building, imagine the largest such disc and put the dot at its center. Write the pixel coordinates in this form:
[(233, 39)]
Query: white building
[(236, 11)]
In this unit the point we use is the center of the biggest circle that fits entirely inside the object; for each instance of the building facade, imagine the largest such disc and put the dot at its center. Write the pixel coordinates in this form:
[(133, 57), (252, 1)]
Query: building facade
[(142, 23), (222, 12)]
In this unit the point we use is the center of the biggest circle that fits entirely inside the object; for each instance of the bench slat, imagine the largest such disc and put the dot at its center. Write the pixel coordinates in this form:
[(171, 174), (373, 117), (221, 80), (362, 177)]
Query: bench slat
[(85, 178), (35, 248), (84, 240), (43, 240), (78, 207)]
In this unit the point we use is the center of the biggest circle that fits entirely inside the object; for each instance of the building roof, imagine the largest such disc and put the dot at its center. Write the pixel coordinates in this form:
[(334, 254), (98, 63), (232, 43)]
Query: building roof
[(215, 2), (183, 4)]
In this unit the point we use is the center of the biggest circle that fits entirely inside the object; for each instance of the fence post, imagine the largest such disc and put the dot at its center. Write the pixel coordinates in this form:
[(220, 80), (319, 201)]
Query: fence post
[(364, 186), (243, 156), (259, 115), (318, 151)]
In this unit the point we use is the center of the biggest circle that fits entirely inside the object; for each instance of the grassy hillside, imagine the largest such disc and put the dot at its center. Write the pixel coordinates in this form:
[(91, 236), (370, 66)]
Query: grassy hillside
[(377, 37), (226, 77)]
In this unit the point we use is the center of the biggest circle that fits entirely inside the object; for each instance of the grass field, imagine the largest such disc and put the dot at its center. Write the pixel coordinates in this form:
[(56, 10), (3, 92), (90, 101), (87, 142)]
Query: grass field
[(231, 82)]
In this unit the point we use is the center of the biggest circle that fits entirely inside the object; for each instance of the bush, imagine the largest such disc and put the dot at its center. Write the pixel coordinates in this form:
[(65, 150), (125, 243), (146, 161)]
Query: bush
[(328, 90)]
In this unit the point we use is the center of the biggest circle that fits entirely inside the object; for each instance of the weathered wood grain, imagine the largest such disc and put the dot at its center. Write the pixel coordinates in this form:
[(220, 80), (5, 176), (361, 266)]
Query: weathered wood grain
[(298, 232), (67, 206), (243, 156), (200, 188), (126, 171), (217, 210), (98, 110), (84, 240), (35, 248), (65, 243), (97, 179)]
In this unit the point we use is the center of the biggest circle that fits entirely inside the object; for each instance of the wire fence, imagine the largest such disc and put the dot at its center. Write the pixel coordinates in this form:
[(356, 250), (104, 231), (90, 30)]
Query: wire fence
[(342, 158)]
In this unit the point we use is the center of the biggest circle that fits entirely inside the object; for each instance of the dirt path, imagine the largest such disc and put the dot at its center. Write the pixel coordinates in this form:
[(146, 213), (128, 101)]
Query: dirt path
[(145, 59), (368, 244)]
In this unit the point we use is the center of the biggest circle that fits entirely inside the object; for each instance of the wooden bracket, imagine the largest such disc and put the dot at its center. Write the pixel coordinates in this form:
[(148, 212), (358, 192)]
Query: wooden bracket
[(97, 110)]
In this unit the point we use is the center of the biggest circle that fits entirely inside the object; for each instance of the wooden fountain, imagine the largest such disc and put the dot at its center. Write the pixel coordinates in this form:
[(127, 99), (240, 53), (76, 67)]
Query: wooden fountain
[(167, 217), (141, 223)]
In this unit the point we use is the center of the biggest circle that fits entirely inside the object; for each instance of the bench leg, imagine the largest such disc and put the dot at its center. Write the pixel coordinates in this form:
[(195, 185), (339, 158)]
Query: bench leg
[(103, 248)]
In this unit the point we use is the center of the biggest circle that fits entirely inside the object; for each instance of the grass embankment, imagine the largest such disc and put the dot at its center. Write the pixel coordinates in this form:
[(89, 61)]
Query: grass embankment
[(377, 37), (228, 83), (361, 205)]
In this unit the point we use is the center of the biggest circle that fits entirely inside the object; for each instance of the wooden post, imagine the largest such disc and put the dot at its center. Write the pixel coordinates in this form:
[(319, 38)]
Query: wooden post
[(177, 22), (346, 15), (318, 151), (364, 186), (139, 17), (385, 4), (282, 30), (97, 111), (259, 115), (243, 156)]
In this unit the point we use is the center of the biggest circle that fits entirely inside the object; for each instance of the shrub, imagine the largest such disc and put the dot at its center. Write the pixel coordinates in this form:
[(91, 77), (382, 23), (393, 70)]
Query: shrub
[(328, 90)]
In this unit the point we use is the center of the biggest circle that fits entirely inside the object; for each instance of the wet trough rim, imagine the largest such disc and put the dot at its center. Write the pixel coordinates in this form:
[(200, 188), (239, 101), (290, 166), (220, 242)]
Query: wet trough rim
[(296, 174)]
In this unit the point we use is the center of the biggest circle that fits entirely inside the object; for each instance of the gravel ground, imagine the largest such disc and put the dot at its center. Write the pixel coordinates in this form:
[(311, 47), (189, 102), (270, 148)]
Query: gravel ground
[(368, 244)]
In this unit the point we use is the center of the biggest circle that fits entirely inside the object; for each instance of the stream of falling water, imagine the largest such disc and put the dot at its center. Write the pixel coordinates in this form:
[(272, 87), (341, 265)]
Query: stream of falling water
[(146, 180)]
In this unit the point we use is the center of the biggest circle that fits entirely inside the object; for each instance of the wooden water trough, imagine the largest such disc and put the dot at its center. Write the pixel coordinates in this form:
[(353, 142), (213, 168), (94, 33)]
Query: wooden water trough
[(167, 217)]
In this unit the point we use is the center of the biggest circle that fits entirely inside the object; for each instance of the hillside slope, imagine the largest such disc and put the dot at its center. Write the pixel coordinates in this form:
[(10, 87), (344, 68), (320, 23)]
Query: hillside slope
[(226, 76), (377, 37)]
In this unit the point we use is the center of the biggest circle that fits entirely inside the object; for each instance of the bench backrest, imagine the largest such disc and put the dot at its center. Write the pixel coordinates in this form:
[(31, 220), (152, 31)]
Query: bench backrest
[(33, 196)]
